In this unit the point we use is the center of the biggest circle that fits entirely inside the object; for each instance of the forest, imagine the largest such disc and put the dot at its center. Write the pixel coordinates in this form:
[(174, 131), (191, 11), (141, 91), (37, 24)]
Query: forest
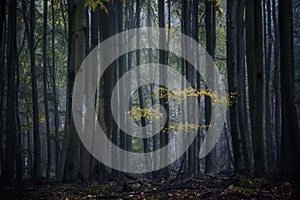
[(149, 99)]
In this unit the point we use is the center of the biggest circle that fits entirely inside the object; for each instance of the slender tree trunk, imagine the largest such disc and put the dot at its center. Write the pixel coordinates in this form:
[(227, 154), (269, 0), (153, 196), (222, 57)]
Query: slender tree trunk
[(232, 82), (122, 90), (68, 165), (2, 66), (268, 56), (30, 30), (184, 26), (196, 82), (210, 25), (164, 137), (35, 102), (276, 83), (129, 9), (290, 150), (10, 113), (29, 150), (19, 149), (241, 83), (54, 91), (106, 87), (254, 48), (140, 90), (94, 42), (45, 79)]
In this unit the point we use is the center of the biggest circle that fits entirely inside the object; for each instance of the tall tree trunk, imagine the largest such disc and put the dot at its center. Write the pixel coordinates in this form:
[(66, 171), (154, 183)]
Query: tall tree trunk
[(268, 60), (2, 50), (232, 82), (140, 89), (107, 82), (129, 9), (276, 84), (68, 165), (35, 102), (254, 48), (45, 87), (10, 113), (19, 149), (290, 150), (241, 83), (30, 30), (54, 91), (122, 90), (94, 42), (184, 29), (164, 137), (210, 25), (81, 51)]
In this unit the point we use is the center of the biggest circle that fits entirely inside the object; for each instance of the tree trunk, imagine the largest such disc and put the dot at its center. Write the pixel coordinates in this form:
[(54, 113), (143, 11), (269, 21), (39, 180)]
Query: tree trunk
[(68, 165), (254, 48), (276, 84), (54, 91), (2, 66), (241, 84), (210, 25), (290, 150), (45, 78), (19, 149), (10, 113), (164, 137), (30, 30), (232, 82), (107, 82), (268, 56)]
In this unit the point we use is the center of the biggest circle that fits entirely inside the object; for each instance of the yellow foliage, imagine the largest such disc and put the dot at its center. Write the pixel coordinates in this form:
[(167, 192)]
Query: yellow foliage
[(218, 8), (194, 92), (149, 113), (94, 3), (187, 127)]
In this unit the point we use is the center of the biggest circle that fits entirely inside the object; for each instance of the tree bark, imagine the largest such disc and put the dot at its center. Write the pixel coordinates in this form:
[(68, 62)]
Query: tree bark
[(164, 137), (45, 87), (10, 113), (54, 91), (30, 30), (290, 150), (210, 25), (254, 51), (2, 66)]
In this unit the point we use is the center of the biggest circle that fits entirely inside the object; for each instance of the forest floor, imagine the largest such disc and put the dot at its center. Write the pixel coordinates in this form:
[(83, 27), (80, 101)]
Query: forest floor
[(204, 187)]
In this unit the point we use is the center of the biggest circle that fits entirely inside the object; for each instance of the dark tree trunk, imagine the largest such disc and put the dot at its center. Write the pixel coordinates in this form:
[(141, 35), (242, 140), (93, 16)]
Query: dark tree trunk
[(290, 150), (2, 66), (276, 84), (54, 91), (210, 25), (241, 83), (45, 87), (232, 82), (19, 149), (268, 56), (68, 165), (30, 30), (10, 151), (35, 102), (254, 50), (164, 137)]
